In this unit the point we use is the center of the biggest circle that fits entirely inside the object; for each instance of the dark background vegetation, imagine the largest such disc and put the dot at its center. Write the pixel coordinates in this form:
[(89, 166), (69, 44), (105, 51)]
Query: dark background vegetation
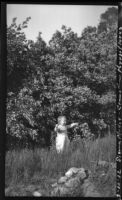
[(72, 76)]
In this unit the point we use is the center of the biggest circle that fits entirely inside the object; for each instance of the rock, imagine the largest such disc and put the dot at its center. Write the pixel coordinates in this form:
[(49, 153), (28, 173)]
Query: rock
[(37, 194), (63, 179), (70, 184), (54, 185), (83, 174), (72, 171)]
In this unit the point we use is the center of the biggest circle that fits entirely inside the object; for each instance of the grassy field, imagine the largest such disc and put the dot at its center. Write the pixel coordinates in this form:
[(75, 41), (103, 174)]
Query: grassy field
[(28, 170)]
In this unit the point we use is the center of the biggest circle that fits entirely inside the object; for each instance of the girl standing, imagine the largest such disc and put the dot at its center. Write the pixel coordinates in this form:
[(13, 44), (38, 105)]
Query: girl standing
[(62, 140)]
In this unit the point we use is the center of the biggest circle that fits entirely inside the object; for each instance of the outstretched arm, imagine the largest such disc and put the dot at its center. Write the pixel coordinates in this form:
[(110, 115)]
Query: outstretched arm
[(72, 125)]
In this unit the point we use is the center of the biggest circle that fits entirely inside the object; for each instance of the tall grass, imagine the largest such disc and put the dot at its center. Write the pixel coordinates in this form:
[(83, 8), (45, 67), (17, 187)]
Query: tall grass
[(24, 165)]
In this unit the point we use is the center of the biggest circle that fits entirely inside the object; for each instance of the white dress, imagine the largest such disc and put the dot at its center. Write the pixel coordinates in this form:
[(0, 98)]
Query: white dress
[(62, 140)]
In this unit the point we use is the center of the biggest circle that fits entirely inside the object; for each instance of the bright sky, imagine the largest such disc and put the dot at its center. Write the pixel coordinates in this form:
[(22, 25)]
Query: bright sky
[(49, 18)]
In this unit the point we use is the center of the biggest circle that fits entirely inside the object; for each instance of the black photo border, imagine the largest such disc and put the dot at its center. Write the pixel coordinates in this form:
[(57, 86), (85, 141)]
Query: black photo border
[(3, 88)]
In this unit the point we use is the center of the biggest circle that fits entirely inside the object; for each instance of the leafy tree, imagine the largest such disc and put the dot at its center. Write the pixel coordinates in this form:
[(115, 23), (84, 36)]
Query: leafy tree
[(31, 105), (108, 20), (17, 48), (72, 76)]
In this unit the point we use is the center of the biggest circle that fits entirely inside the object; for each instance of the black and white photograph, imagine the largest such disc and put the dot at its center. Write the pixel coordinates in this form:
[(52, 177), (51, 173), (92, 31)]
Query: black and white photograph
[(61, 100)]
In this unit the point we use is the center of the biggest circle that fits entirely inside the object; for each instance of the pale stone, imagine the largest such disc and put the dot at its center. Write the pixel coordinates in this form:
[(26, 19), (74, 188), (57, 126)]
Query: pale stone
[(37, 194), (73, 170), (75, 183), (72, 183), (54, 185), (63, 179)]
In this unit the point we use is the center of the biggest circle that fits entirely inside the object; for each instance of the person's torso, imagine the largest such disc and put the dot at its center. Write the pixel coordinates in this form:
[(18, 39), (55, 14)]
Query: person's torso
[(61, 129)]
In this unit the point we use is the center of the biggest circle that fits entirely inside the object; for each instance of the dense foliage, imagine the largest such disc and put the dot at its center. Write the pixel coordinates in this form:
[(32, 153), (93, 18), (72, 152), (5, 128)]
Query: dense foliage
[(72, 76)]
